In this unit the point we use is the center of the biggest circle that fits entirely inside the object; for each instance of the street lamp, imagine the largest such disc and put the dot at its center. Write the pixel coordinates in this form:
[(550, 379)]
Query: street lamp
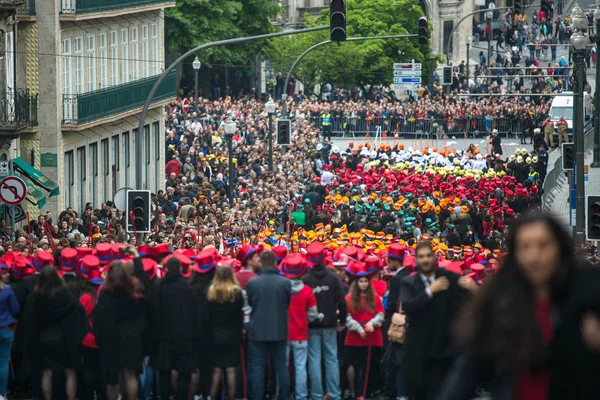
[(489, 16), (270, 107), (579, 43), (196, 64), (468, 40), (230, 128), (596, 162)]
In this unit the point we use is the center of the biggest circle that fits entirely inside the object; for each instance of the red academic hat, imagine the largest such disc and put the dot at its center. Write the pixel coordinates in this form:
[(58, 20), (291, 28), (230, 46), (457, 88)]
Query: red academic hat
[(244, 253), (21, 267), (68, 259), (95, 277), (373, 264), (116, 250), (477, 267), (83, 251), (396, 251), (150, 268), (104, 253), (357, 269), (316, 252), (280, 253), (205, 262), (87, 264), (186, 263), (293, 266), (42, 259)]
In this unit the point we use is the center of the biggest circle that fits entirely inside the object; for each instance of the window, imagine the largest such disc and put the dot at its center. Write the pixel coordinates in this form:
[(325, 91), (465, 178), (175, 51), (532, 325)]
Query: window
[(124, 56), (91, 71), (81, 176), (69, 181), (114, 59), (145, 60), (103, 170), (159, 171), (448, 26), (93, 182), (114, 162), (66, 51), (103, 61), (125, 159), (154, 58), (79, 65), (134, 160), (145, 145), (135, 62)]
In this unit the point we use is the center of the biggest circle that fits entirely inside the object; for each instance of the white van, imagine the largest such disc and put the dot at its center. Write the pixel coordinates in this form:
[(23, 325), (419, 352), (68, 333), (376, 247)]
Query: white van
[(562, 106)]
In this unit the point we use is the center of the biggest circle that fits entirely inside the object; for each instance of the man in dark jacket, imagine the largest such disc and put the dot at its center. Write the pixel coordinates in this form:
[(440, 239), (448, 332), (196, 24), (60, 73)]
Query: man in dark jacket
[(322, 337), (269, 295), (174, 322)]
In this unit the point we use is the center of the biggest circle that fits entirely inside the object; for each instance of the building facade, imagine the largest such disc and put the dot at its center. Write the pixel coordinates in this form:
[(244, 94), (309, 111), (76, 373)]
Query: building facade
[(93, 63)]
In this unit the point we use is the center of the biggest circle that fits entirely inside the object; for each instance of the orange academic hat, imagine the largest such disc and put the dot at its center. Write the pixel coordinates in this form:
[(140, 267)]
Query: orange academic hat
[(42, 259), (68, 259)]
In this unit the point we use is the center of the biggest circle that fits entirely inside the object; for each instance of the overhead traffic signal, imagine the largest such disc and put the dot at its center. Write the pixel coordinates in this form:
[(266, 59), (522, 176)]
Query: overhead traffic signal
[(138, 203), (337, 20), (568, 156), (447, 78), (423, 31), (517, 7), (544, 7), (593, 218), (284, 137)]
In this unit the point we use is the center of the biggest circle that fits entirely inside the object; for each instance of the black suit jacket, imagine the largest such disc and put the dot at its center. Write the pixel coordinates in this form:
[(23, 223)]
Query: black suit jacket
[(428, 333), (394, 295)]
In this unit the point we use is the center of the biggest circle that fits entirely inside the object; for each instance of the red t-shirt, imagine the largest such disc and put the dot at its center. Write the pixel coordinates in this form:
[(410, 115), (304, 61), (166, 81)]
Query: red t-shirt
[(363, 316), (298, 313), (88, 304), (380, 287), (537, 386), (243, 277)]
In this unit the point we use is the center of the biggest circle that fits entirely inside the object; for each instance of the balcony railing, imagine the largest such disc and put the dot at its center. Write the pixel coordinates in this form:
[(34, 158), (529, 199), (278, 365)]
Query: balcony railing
[(27, 8), (18, 109), (10, 4), (83, 108), (97, 6)]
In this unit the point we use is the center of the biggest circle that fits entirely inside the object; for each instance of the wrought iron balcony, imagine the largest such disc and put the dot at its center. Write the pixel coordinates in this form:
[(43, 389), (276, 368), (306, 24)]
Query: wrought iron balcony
[(98, 6), (18, 110), (87, 107)]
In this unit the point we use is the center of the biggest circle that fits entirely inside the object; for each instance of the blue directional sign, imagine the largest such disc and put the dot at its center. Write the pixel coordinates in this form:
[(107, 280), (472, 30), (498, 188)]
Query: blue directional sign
[(407, 79)]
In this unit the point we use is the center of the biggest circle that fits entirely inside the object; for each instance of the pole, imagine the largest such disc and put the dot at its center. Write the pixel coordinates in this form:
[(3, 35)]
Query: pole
[(192, 52), (468, 58), (578, 138), (490, 34), (230, 185), (13, 225), (311, 48), (596, 162), (271, 142), (196, 92)]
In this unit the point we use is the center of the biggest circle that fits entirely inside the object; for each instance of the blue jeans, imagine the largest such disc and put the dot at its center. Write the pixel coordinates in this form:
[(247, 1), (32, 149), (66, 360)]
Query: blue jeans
[(7, 336), (257, 362), (323, 343), (300, 349), (147, 377), (400, 386)]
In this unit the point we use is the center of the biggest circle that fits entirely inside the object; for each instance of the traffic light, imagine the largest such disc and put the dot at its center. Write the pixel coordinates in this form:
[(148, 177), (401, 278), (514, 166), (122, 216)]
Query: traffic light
[(447, 78), (423, 31), (138, 203), (568, 156), (337, 20), (593, 218), (284, 137), (517, 7), (544, 7)]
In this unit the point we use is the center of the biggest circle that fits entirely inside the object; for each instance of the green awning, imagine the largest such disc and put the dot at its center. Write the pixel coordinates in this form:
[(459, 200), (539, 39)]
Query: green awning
[(36, 176), (34, 195)]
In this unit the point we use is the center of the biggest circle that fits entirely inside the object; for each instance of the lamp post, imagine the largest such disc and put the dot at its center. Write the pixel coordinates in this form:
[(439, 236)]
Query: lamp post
[(489, 16), (596, 162), (579, 43), (230, 128), (196, 64), (270, 107), (469, 39)]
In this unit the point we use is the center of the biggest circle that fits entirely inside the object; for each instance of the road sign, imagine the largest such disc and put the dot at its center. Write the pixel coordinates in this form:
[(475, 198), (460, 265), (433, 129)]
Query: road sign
[(6, 210), (407, 79), (4, 171), (406, 86), (186, 105), (12, 190), (407, 66), (407, 72)]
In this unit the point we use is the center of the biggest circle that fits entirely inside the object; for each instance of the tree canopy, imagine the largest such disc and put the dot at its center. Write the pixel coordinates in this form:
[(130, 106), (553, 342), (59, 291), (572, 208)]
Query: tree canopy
[(356, 63), (194, 22)]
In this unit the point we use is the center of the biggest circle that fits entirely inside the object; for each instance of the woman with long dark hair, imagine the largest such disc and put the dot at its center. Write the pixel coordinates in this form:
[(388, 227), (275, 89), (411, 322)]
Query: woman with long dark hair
[(533, 329), (120, 323), (55, 325)]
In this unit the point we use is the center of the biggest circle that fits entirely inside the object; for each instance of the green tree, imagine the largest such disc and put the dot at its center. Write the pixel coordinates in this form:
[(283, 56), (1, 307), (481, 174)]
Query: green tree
[(358, 63), (194, 22)]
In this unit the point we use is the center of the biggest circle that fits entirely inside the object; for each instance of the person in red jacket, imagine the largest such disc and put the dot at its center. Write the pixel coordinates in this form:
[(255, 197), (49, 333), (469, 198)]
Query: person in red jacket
[(364, 322)]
